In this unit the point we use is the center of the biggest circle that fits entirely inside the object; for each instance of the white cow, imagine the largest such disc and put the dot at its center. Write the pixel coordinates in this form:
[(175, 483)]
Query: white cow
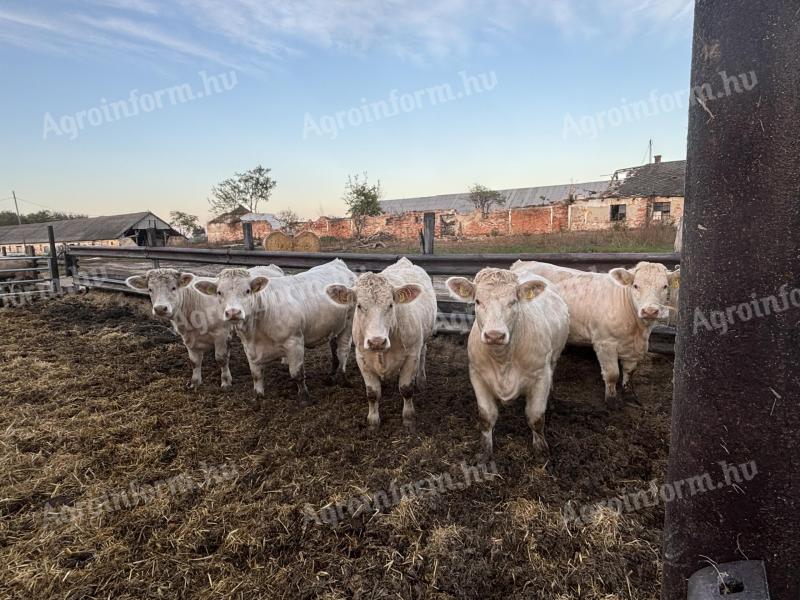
[(395, 315), (281, 317), (614, 312), (193, 316), (520, 329)]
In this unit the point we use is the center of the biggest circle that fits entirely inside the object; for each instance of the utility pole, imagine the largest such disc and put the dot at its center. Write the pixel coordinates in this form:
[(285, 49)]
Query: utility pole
[(19, 220)]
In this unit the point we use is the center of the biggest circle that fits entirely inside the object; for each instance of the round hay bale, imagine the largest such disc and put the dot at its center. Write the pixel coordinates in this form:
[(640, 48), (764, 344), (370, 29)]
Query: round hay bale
[(306, 242), (277, 241)]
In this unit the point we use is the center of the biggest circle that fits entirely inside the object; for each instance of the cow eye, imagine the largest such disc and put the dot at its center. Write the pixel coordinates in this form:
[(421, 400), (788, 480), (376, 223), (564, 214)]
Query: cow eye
[(391, 305), (247, 291), (477, 302), (666, 287), (174, 288), (636, 287), (219, 293), (358, 306)]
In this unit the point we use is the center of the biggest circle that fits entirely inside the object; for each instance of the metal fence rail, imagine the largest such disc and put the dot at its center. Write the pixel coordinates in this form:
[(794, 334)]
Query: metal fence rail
[(453, 316), (31, 283), (440, 264)]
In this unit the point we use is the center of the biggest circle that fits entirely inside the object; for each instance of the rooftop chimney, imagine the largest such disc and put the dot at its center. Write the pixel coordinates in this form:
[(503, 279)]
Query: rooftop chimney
[(657, 158)]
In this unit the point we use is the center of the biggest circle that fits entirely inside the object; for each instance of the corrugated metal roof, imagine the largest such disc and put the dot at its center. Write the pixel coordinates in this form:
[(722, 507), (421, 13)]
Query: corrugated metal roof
[(656, 179), (268, 217), (80, 230), (515, 198)]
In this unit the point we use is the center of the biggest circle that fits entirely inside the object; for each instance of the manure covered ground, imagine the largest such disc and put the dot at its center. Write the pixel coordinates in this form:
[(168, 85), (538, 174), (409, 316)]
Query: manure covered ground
[(118, 482)]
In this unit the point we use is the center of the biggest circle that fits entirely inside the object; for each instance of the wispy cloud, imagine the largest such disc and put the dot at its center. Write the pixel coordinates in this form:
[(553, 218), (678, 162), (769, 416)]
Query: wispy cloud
[(247, 32)]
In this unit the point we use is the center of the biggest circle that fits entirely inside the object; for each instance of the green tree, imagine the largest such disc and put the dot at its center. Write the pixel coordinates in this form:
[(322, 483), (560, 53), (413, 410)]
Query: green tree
[(246, 189), (362, 199), (188, 225), (8, 217), (483, 198)]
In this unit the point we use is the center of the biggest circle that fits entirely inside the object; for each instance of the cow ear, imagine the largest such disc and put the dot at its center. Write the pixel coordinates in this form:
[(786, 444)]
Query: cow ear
[(407, 293), (530, 289), (461, 288), (258, 283), (137, 282), (622, 276), (674, 278), (209, 288), (341, 294), (185, 279)]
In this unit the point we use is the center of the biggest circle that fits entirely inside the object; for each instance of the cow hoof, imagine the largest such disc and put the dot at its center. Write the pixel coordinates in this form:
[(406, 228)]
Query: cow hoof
[(373, 423), (304, 400), (540, 445), (614, 402), (193, 385), (410, 425), (341, 380), (226, 386)]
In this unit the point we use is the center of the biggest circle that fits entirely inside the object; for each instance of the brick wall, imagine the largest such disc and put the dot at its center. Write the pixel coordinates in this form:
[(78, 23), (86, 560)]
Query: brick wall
[(583, 215), (228, 233)]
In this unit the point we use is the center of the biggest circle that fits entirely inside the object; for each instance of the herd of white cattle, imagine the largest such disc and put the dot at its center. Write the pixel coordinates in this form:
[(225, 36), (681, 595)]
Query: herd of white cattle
[(524, 316)]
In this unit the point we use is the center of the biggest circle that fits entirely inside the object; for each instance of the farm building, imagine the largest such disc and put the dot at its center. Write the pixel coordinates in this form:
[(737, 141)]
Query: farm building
[(114, 230), (228, 227), (633, 197)]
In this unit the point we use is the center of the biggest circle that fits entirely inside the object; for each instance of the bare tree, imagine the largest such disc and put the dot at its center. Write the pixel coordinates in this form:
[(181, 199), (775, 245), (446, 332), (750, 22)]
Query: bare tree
[(483, 198), (289, 221)]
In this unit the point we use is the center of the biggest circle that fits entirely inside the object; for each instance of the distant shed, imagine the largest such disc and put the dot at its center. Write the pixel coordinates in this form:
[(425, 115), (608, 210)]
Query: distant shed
[(113, 230)]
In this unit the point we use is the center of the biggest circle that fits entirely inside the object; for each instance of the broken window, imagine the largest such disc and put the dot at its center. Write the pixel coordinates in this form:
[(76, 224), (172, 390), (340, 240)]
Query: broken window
[(618, 212), (661, 210)]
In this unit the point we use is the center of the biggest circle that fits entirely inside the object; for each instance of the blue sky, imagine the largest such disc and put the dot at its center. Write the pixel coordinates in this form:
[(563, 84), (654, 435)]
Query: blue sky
[(554, 77)]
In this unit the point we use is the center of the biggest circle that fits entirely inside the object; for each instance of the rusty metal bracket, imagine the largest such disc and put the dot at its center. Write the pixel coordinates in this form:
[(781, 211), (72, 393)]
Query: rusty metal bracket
[(741, 580)]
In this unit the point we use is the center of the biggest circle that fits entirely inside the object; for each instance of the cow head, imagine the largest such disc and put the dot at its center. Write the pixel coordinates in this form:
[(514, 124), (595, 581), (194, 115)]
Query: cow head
[(376, 303), (164, 286), (648, 285), (235, 290), (498, 295)]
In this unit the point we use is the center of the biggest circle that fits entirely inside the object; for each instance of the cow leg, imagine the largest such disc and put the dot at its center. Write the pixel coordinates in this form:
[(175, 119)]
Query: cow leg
[(340, 350), (487, 414), (373, 384), (222, 354), (609, 364), (422, 378), (196, 358), (257, 371), (535, 407), (408, 373), (628, 367), (295, 354)]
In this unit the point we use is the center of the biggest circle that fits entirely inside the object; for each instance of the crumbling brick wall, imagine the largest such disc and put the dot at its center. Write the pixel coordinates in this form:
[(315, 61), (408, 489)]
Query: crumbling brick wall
[(583, 215)]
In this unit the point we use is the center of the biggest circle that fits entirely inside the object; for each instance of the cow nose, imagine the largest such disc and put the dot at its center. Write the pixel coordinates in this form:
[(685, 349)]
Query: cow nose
[(650, 312), (233, 314), (494, 337), (161, 310), (376, 343)]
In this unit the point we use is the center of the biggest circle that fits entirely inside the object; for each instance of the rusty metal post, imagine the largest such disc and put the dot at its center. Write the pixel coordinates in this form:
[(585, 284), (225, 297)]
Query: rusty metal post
[(737, 364), (152, 242), (247, 229), (428, 231), (54, 276)]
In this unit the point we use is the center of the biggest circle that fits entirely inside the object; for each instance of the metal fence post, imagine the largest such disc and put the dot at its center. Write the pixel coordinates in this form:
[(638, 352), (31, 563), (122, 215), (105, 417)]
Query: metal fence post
[(151, 242), (736, 359), (247, 228), (54, 276), (428, 230)]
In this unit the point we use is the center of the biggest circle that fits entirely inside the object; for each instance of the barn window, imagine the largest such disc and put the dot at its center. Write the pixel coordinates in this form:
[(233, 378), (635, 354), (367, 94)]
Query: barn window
[(618, 212), (662, 207)]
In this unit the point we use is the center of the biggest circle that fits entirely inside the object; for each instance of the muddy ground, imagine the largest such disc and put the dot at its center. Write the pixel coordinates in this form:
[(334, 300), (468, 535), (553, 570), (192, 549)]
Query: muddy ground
[(94, 409)]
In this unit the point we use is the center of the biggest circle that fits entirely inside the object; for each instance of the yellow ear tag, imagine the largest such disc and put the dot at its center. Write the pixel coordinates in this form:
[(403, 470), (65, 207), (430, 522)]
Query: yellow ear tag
[(464, 292), (529, 295), (676, 283), (402, 297)]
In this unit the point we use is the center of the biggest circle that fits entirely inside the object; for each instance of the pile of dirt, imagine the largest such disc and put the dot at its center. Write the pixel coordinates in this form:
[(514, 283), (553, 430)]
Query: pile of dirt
[(118, 482)]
